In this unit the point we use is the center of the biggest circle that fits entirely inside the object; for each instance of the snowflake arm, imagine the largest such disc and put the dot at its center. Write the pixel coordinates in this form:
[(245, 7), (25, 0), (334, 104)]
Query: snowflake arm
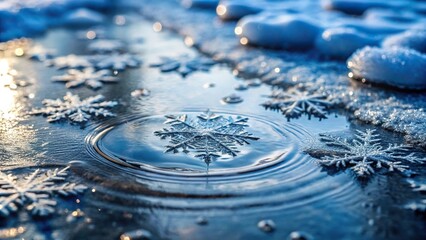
[(70, 61)]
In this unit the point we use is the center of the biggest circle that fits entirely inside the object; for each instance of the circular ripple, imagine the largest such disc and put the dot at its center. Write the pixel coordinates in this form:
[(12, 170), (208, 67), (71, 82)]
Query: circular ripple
[(133, 144), (272, 171)]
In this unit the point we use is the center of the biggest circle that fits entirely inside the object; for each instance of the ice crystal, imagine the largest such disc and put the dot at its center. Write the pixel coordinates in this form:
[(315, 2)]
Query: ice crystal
[(35, 191), (88, 76), (208, 135), (40, 53), (118, 61), (70, 61), (418, 205), (106, 46), (365, 153), (75, 109), (293, 103), (184, 64)]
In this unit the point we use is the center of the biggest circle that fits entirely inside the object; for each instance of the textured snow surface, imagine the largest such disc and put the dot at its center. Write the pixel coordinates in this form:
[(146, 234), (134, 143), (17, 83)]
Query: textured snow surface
[(398, 67), (399, 111)]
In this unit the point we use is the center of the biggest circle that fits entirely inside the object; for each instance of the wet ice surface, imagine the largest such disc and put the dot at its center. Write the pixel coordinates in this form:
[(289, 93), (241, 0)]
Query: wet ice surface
[(292, 192), (308, 69)]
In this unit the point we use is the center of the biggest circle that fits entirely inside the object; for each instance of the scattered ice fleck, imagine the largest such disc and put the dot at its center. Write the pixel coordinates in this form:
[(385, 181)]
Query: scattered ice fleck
[(35, 191), (266, 225), (75, 109), (87, 76), (365, 153), (142, 92), (209, 135)]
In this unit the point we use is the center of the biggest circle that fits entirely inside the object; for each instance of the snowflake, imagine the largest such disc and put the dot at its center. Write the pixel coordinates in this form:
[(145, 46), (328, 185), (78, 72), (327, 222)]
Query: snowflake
[(106, 46), (40, 53), (75, 109), (35, 191), (417, 187), (184, 64), (118, 62), (208, 135), (88, 76), (365, 153), (294, 102), (70, 61)]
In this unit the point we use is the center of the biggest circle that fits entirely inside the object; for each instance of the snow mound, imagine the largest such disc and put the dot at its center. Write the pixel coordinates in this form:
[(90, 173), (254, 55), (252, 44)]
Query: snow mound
[(342, 42), (410, 39), (285, 31), (397, 67)]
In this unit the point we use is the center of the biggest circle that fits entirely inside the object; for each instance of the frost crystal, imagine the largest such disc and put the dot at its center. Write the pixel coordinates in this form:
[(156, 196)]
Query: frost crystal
[(294, 102), (74, 109), (365, 153), (184, 64), (208, 135), (35, 191), (40, 53), (70, 61), (419, 205), (106, 46), (118, 61), (88, 76)]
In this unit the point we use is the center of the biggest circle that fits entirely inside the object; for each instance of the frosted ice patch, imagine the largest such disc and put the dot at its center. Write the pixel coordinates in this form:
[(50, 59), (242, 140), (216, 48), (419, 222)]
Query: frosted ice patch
[(285, 31), (398, 67)]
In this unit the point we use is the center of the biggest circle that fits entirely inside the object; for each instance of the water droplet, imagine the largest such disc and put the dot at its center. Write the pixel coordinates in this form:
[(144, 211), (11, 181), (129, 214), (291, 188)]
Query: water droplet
[(209, 85), (266, 225), (298, 236), (244, 41), (241, 87), (254, 83), (232, 99), (139, 234), (142, 92), (238, 30), (202, 221), (157, 27), (120, 20)]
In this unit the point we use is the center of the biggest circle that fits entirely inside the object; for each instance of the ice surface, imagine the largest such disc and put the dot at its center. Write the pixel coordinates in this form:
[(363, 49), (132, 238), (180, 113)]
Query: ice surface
[(398, 111), (403, 68)]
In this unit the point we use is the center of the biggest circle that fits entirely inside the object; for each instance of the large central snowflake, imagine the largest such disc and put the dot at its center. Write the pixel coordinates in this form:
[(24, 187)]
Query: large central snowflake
[(208, 135), (293, 103), (35, 191), (365, 153), (74, 108)]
